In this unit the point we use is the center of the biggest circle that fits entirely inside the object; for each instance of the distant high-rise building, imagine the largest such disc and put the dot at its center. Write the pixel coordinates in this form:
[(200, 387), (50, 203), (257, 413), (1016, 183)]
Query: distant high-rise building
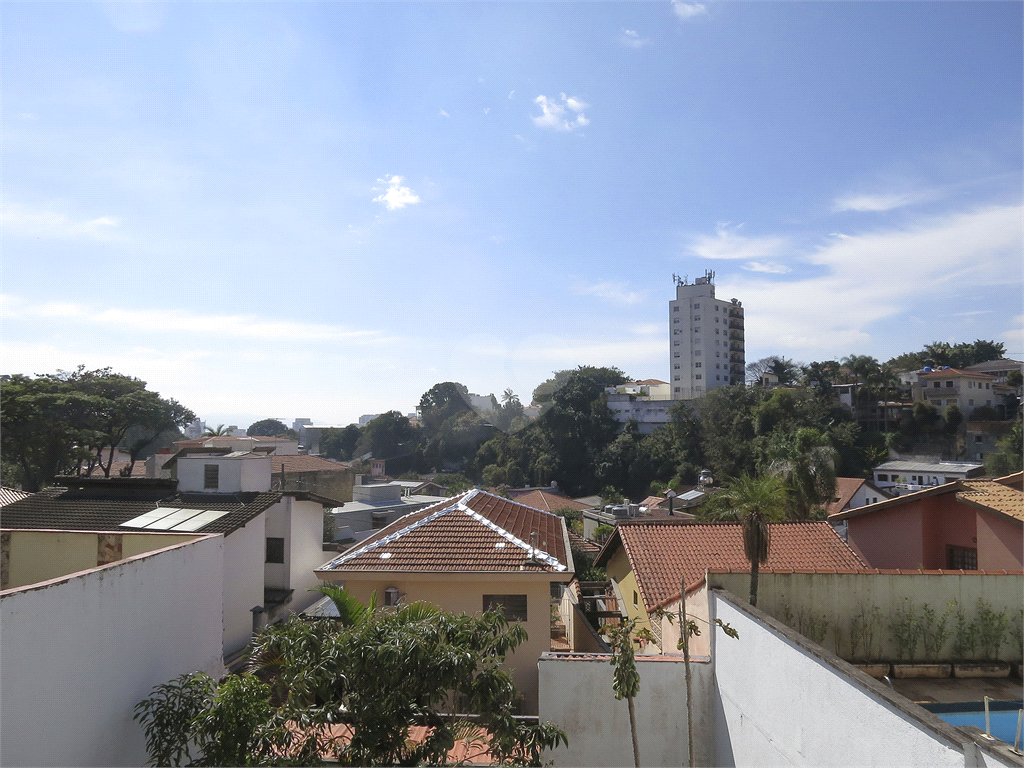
[(705, 339)]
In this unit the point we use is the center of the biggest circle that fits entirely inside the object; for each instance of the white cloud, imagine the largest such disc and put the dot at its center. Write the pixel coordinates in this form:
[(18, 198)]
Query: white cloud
[(770, 267), (633, 39), (486, 110), (554, 113), (251, 327), (618, 293), (396, 195), (688, 10), (510, 94), (859, 280), (880, 201), (727, 243), (21, 221), (443, 113)]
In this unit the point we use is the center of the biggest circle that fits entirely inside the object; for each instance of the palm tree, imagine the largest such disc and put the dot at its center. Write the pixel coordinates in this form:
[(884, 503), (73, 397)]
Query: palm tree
[(807, 467), (219, 431), (350, 610), (756, 502)]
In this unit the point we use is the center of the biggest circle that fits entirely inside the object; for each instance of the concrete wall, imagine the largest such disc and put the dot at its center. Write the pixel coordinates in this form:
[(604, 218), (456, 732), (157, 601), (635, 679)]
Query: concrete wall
[(40, 555), (465, 595), (576, 693), (783, 701), (251, 473), (278, 525), (77, 655), (810, 602), (244, 555), (697, 610)]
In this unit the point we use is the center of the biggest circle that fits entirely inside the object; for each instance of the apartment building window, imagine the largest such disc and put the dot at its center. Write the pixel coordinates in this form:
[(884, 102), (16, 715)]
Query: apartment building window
[(512, 606), (675, 343), (695, 365), (675, 354), (961, 558), (718, 378), (936, 384), (988, 385), (717, 332), (726, 379), (970, 402), (675, 378), (211, 476), (696, 318), (696, 306), (675, 332), (696, 353), (675, 321), (675, 308), (949, 384), (678, 389), (676, 366), (698, 376), (696, 329), (716, 319), (275, 549), (718, 365)]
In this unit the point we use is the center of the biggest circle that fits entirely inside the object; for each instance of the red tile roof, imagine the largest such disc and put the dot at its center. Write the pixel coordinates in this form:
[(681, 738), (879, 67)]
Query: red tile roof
[(473, 532), (305, 463), (661, 552), (846, 487), (549, 502), (955, 372)]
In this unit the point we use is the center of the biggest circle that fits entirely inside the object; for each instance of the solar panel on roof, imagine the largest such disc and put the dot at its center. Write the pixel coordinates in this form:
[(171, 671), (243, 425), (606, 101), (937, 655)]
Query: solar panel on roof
[(148, 518), (203, 518), (173, 519)]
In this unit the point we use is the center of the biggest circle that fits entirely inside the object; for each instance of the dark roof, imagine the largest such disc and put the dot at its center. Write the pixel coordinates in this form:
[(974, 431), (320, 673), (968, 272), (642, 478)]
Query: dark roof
[(476, 531), (104, 504)]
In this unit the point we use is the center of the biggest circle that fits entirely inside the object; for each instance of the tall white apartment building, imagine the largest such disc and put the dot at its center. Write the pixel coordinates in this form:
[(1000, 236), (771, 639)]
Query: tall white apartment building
[(705, 339)]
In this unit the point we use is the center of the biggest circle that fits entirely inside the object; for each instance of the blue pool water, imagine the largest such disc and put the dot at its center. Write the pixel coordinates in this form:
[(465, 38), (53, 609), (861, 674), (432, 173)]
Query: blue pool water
[(1003, 721)]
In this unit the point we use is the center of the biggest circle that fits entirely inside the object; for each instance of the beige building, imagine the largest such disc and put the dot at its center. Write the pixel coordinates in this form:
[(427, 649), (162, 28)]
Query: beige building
[(948, 386), (706, 345), (467, 554)]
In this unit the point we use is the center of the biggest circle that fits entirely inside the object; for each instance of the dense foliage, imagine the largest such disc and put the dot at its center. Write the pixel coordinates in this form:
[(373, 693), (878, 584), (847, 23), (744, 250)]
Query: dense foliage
[(69, 422), (351, 691), (268, 428)]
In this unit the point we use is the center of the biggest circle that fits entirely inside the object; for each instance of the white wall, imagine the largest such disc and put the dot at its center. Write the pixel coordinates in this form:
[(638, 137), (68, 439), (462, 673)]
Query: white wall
[(306, 551), (244, 555), (576, 694), (78, 655), (783, 702), (251, 473)]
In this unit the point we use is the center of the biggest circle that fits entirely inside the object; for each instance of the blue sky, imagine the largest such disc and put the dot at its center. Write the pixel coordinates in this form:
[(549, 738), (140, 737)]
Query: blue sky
[(322, 209)]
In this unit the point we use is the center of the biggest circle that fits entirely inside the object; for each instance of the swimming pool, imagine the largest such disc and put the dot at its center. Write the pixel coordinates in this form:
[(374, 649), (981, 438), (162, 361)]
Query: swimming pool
[(1002, 715)]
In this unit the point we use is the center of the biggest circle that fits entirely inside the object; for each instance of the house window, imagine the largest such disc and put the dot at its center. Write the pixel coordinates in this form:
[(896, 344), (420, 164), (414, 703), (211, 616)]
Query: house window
[(275, 549), (971, 401), (936, 384), (961, 558), (979, 439), (379, 521), (988, 385), (512, 606), (949, 384), (884, 478), (392, 596), (211, 476), (636, 599)]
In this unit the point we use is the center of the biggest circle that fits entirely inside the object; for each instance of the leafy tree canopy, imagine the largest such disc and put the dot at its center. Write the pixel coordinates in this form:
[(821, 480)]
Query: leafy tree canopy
[(375, 674), (390, 434), (69, 421), (340, 444), (941, 353), (267, 428)]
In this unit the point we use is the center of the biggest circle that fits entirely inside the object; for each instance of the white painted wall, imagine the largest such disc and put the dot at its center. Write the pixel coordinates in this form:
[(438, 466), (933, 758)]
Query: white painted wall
[(244, 555), (78, 655), (576, 693), (306, 551), (278, 525), (248, 474), (780, 704)]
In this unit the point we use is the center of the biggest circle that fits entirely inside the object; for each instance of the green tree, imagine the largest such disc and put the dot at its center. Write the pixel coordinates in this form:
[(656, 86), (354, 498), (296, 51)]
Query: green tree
[(340, 444), (267, 428), (1009, 454), (379, 672), (219, 431), (441, 402), (390, 434), (60, 422), (626, 678), (806, 463), (756, 502), (1014, 378)]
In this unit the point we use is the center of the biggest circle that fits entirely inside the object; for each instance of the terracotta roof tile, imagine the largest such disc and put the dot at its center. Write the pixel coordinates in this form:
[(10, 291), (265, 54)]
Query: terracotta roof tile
[(846, 487), (993, 496), (473, 532), (549, 502), (661, 552), (305, 463)]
